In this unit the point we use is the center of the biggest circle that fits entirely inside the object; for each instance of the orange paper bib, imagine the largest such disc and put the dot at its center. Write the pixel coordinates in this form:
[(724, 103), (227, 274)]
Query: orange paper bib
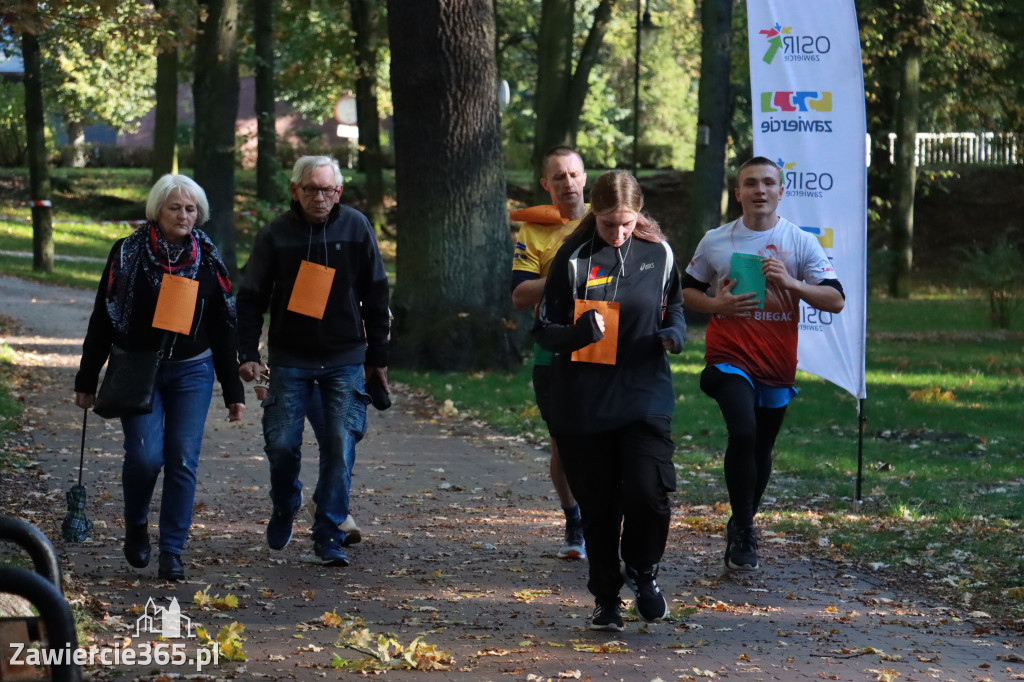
[(176, 304), (312, 287), (602, 352)]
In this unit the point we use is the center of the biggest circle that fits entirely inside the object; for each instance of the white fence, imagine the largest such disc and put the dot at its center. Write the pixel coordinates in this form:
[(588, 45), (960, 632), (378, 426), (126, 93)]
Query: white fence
[(996, 149)]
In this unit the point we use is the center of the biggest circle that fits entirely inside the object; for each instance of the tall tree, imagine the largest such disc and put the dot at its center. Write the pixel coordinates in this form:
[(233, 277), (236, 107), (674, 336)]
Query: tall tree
[(562, 90), (450, 312), (215, 91), (31, 20), (365, 21), (165, 127), (39, 175), (99, 67), (714, 114), (907, 108), (267, 162)]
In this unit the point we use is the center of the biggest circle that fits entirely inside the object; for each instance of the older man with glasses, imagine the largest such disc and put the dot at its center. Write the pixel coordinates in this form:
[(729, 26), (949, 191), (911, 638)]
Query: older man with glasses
[(318, 269)]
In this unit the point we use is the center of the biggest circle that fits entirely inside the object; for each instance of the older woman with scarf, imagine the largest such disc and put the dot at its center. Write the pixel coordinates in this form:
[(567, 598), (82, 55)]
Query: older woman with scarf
[(169, 437)]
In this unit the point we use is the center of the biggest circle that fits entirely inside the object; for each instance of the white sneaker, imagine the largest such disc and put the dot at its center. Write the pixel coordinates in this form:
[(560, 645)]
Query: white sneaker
[(352, 533)]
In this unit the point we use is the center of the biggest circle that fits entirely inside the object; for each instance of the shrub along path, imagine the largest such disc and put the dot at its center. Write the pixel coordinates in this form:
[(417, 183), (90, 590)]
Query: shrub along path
[(460, 526)]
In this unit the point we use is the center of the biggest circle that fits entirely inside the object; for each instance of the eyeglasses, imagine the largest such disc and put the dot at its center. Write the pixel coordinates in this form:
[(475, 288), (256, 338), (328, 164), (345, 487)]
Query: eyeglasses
[(328, 192)]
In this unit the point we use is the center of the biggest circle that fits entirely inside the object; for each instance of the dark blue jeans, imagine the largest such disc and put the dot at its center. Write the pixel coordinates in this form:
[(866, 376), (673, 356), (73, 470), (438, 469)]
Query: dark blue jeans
[(168, 438), (343, 402)]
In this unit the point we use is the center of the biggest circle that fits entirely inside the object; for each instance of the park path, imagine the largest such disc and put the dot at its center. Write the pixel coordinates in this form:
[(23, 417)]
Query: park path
[(460, 525)]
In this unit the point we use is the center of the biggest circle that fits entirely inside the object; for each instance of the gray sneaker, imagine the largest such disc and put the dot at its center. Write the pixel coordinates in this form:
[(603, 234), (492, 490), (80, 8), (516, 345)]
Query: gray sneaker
[(352, 533), (574, 548)]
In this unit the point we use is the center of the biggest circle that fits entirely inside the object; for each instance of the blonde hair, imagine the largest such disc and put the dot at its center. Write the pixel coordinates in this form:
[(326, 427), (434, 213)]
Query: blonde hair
[(618, 190), (186, 187)]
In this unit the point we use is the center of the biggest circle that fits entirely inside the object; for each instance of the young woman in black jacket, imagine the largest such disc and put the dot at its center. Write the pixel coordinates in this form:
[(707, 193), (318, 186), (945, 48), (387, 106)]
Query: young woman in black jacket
[(611, 413)]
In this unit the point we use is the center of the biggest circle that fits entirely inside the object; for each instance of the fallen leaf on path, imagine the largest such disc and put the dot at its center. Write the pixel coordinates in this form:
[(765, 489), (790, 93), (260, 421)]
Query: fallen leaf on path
[(527, 596)]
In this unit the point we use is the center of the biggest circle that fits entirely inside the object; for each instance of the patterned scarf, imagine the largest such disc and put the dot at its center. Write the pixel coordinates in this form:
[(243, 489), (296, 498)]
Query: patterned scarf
[(146, 251)]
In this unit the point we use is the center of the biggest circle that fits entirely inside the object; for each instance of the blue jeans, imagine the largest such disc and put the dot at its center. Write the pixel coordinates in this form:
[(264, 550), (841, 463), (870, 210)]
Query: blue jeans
[(343, 402), (170, 438)]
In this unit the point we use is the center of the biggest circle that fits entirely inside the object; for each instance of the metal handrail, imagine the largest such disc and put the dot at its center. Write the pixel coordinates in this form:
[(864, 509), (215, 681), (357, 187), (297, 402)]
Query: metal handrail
[(38, 546), (43, 590)]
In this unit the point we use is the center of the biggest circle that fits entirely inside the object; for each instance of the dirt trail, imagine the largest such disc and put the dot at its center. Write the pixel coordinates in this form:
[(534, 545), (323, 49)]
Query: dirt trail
[(460, 525)]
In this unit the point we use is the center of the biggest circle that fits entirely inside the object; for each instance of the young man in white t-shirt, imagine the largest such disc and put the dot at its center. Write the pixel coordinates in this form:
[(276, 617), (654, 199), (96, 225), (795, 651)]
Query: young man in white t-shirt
[(751, 344)]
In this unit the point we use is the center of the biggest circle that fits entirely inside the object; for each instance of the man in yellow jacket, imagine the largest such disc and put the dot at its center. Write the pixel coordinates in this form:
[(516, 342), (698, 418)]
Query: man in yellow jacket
[(539, 238)]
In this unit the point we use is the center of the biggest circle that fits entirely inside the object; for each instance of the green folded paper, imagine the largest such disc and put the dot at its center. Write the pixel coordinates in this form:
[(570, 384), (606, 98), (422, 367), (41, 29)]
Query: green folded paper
[(745, 268)]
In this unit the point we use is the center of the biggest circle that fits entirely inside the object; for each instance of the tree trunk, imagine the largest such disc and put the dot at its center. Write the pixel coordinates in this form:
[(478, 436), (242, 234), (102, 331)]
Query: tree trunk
[(580, 83), (561, 92), (165, 128), (713, 116), (554, 64), (215, 91), (905, 173), (76, 156), (451, 311), (38, 174), (365, 20), (267, 164)]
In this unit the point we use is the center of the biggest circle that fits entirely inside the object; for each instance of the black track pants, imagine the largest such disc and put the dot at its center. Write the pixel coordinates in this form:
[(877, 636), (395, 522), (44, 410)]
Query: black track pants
[(621, 479)]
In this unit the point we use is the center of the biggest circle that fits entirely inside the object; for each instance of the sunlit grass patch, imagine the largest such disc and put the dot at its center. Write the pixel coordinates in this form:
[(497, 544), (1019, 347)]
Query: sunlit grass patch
[(83, 275), (968, 558)]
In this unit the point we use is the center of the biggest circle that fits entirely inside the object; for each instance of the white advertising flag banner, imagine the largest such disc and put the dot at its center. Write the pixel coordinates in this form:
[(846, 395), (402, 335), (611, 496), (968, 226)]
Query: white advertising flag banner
[(807, 96)]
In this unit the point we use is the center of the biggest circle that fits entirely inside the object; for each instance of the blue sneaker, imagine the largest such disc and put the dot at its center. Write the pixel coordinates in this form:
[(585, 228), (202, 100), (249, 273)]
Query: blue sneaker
[(574, 548), (279, 527), (330, 553)]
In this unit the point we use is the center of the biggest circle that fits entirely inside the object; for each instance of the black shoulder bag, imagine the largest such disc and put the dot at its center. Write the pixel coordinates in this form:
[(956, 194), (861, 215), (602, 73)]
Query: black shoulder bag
[(128, 383)]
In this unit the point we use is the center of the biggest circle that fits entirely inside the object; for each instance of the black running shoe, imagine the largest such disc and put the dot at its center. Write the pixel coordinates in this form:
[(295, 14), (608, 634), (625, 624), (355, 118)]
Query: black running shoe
[(740, 547), (607, 617), (650, 604), (136, 545)]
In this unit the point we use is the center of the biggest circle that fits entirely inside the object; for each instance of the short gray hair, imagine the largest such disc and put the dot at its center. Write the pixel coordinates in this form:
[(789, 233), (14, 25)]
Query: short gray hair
[(187, 187), (307, 165)]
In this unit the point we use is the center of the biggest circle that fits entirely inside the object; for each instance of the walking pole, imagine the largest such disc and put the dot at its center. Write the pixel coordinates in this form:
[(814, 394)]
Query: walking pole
[(76, 525), (81, 450)]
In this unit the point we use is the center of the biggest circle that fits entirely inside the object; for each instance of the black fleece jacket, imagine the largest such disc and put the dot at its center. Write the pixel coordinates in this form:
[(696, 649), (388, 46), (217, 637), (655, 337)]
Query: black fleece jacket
[(641, 276), (355, 326)]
